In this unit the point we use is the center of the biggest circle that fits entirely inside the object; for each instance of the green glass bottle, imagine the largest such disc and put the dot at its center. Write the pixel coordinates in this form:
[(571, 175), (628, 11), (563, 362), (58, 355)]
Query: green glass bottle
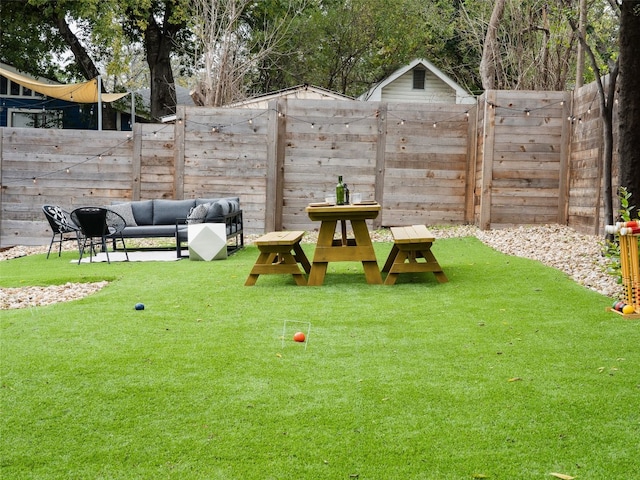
[(340, 191)]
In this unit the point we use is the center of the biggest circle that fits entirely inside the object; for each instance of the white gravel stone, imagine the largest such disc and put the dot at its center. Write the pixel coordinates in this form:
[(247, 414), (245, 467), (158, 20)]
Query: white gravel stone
[(578, 255)]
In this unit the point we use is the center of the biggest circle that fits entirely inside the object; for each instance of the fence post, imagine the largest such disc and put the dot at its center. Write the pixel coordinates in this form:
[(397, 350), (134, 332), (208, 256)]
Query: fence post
[(488, 139), (275, 165), (136, 167), (178, 159), (472, 159), (565, 152), (381, 147)]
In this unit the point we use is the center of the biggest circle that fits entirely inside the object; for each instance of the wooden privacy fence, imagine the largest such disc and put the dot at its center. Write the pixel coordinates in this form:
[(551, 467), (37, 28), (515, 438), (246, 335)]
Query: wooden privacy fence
[(502, 162)]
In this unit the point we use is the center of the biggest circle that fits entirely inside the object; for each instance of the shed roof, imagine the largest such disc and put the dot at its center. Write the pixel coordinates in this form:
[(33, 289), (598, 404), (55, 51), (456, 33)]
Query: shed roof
[(375, 93), (299, 91)]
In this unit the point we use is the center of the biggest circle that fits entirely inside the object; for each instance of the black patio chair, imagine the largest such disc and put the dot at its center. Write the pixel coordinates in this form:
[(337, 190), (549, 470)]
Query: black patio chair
[(99, 223), (62, 227)]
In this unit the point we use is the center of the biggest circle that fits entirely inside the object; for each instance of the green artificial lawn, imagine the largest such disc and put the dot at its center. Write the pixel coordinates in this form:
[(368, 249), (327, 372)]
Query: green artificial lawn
[(508, 371)]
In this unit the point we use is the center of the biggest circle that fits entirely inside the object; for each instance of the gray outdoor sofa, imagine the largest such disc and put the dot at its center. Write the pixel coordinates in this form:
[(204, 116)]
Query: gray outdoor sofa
[(170, 218)]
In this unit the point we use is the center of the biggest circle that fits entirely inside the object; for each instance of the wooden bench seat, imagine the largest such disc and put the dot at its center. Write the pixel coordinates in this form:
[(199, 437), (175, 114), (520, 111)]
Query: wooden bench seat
[(276, 257), (409, 245)]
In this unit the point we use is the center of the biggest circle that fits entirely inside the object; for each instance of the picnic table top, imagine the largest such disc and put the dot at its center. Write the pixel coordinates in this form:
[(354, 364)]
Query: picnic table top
[(323, 211)]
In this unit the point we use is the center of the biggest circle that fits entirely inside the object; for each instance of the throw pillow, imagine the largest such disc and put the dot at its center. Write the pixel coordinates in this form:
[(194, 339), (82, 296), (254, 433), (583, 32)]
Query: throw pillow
[(125, 211), (198, 213), (214, 212), (59, 215)]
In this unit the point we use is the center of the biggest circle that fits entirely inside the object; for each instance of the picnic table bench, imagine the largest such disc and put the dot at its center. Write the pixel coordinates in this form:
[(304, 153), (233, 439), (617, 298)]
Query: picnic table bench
[(276, 257), (409, 245)]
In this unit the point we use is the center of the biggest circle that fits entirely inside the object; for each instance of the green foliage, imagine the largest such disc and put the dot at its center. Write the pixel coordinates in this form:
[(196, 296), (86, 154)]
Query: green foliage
[(625, 205), (28, 41), (611, 247), (342, 46), (506, 371)]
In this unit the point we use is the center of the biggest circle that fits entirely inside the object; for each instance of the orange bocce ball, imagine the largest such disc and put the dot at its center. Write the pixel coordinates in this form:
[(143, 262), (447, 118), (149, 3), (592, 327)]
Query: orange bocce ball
[(299, 337)]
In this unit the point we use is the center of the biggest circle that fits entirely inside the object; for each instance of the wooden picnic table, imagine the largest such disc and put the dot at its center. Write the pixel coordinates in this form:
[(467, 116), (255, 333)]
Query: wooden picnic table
[(343, 249)]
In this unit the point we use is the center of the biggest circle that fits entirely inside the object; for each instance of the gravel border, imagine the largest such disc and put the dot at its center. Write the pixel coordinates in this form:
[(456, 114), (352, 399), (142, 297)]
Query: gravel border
[(578, 255)]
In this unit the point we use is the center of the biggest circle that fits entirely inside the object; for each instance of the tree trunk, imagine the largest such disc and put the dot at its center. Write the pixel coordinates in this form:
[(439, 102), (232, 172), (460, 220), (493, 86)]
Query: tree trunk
[(607, 154), (157, 41), (629, 100), (490, 50), (582, 26)]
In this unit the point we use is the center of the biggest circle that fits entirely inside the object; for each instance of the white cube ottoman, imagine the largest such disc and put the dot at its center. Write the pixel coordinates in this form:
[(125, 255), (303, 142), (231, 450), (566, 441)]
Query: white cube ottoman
[(207, 241)]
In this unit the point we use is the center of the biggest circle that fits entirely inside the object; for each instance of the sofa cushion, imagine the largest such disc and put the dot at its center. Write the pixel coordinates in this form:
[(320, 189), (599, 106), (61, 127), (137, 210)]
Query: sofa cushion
[(219, 207), (200, 201), (198, 213), (217, 211), (125, 211), (234, 205), (166, 212), (143, 212), (150, 231)]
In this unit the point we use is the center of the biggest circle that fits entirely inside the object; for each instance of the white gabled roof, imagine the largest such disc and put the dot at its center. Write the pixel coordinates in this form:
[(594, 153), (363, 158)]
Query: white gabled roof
[(375, 93), (299, 91)]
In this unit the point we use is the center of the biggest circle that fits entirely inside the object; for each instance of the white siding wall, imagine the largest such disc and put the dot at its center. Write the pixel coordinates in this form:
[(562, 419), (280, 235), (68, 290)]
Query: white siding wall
[(435, 90)]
